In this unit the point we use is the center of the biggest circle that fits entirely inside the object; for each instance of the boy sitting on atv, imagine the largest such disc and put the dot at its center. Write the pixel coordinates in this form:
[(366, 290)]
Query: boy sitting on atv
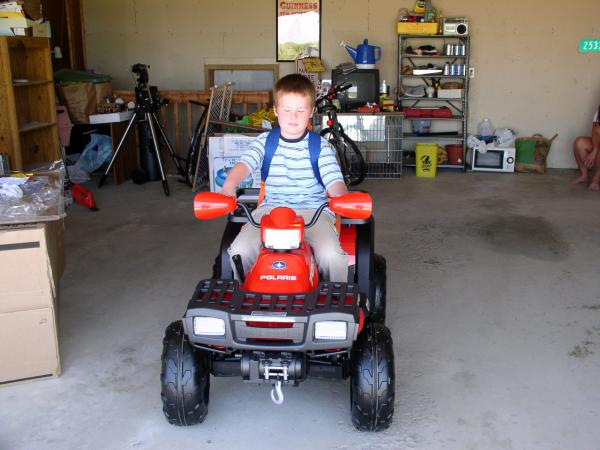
[(299, 170)]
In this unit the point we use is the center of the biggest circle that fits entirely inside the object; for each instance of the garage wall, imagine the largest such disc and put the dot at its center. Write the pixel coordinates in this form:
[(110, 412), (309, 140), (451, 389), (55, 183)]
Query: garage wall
[(529, 74)]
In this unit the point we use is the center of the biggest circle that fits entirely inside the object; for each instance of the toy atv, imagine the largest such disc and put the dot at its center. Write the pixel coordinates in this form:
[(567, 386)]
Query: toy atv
[(280, 323)]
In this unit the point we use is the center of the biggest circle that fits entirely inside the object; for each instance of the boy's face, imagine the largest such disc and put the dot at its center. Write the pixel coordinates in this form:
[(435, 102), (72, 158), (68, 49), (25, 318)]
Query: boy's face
[(293, 112)]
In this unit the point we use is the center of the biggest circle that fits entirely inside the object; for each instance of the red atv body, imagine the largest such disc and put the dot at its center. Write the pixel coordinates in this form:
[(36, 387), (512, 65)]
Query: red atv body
[(282, 323)]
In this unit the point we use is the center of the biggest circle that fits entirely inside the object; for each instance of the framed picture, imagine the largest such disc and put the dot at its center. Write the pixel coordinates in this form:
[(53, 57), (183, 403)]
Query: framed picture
[(298, 29)]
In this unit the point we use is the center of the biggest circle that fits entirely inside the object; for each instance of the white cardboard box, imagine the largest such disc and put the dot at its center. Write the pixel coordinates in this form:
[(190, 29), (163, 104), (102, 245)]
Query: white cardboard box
[(111, 117), (224, 152)]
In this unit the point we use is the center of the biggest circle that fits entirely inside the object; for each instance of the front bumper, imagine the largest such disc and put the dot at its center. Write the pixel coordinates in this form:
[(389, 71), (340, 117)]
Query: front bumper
[(245, 314)]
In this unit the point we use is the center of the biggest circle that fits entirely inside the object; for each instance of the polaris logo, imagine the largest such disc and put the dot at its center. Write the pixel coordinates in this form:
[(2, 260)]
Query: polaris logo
[(270, 277), (280, 265)]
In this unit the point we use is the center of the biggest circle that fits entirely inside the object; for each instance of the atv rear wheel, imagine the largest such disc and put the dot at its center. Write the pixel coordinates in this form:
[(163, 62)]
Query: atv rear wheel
[(380, 280), (185, 378), (372, 389)]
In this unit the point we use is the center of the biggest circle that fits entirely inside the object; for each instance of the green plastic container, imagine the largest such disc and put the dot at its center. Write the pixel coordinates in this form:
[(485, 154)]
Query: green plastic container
[(525, 148)]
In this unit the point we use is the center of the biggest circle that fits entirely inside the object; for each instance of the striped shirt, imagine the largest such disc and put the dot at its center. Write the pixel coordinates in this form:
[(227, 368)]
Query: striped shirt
[(291, 181)]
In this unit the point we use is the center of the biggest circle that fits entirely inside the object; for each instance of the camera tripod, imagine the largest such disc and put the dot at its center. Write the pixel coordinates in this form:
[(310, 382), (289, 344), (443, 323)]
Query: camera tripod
[(147, 104)]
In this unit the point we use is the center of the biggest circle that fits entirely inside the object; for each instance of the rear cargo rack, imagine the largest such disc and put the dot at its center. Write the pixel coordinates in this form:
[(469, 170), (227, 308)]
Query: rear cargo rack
[(228, 295)]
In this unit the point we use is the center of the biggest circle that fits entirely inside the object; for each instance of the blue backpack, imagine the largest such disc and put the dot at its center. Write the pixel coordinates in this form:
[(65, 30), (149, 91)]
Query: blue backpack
[(314, 149)]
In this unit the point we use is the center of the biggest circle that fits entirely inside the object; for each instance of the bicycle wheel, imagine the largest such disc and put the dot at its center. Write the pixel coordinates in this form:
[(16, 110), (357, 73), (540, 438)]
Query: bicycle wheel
[(194, 150), (349, 156)]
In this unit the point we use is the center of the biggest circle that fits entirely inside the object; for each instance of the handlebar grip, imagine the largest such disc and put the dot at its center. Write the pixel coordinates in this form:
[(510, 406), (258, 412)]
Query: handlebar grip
[(344, 86)]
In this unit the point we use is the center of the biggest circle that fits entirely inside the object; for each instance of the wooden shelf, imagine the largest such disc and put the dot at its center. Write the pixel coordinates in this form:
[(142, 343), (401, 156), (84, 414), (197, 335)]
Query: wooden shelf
[(28, 125), (32, 126), (31, 83)]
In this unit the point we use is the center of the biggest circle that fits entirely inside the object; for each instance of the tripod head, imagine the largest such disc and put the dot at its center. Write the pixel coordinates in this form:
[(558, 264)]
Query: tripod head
[(146, 97)]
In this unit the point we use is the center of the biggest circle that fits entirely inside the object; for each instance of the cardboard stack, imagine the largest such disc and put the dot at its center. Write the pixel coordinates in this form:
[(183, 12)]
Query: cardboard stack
[(14, 22), (31, 262)]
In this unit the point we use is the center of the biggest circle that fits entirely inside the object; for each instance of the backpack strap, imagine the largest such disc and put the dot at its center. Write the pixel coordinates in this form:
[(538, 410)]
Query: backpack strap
[(314, 150)]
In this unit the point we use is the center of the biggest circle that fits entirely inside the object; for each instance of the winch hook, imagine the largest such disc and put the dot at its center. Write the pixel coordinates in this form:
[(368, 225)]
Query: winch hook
[(277, 393)]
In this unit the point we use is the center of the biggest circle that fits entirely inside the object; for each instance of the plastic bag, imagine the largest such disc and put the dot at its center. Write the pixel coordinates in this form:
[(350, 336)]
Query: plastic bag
[(97, 152), (39, 196), (504, 137)]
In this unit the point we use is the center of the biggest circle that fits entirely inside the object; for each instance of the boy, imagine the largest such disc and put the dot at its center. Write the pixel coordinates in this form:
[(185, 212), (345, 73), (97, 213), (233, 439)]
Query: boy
[(292, 182), (587, 155)]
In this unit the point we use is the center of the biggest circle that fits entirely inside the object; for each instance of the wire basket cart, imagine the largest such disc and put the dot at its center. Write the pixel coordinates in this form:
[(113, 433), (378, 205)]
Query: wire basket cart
[(379, 138)]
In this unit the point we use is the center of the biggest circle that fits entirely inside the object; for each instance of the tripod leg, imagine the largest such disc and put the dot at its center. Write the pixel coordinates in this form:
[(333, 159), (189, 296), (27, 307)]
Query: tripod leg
[(114, 158), (174, 157), (150, 119)]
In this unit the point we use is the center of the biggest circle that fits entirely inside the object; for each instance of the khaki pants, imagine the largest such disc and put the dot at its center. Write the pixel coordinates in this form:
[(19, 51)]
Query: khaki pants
[(331, 259)]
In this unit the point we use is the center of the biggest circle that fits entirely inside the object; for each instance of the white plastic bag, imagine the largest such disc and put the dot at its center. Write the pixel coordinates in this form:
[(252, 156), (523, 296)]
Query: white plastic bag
[(504, 137)]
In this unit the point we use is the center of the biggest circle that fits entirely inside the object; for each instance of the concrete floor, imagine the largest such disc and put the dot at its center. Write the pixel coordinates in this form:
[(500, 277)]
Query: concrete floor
[(493, 303)]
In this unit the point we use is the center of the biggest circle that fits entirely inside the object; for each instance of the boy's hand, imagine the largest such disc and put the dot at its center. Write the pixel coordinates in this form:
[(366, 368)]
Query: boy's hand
[(338, 188), (230, 192), (235, 177)]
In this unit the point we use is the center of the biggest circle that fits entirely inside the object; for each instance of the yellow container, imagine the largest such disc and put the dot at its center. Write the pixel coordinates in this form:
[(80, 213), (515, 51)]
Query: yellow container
[(418, 28), (426, 160)]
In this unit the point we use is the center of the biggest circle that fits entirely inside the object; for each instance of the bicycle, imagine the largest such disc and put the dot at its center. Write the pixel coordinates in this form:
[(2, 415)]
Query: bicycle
[(195, 150), (351, 160)]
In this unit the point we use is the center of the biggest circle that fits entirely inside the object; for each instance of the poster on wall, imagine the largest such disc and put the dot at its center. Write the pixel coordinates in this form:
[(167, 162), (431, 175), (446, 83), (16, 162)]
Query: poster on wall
[(298, 29)]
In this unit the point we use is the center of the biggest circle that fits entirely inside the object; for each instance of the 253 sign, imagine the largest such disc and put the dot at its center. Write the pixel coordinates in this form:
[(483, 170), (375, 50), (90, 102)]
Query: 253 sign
[(589, 45)]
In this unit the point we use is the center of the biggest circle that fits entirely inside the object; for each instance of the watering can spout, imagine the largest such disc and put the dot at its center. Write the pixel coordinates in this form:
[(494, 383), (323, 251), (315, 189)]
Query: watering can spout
[(350, 50)]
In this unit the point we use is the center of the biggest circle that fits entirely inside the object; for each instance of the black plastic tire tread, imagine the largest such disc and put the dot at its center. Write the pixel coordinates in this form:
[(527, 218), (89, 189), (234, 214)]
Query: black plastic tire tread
[(185, 379), (372, 388), (380, 280)]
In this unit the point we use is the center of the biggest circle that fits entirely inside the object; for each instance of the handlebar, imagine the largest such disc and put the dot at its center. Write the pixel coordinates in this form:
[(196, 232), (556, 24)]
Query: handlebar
[(333, 92), (254, 223)]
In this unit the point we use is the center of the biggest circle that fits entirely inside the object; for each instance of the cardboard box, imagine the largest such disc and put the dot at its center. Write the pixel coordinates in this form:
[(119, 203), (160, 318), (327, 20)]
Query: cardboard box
[(31, 264), (224, 152), (16, 24), (418, 28), (111, 117), (28, 345), (82, 99), (32, 260)]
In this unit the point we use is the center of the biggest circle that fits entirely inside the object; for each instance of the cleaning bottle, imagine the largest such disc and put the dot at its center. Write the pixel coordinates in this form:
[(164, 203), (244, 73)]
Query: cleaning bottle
[(420, 7)]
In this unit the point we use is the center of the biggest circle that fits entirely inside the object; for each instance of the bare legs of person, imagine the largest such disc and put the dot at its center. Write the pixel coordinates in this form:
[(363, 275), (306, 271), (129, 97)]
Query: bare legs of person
[(582, 147)]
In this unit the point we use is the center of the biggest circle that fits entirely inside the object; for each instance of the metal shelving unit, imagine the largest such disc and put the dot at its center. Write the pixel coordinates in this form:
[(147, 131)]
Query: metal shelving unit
[(456, 126)]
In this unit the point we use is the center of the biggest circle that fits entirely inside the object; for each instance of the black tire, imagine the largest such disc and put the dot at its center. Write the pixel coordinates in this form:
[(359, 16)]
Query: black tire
[(216, 273), (184, 378), (372, 389), (378, 306), (349, 156)]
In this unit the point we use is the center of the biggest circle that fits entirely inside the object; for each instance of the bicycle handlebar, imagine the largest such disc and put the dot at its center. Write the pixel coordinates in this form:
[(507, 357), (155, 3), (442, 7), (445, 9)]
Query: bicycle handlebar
[(333, 91)]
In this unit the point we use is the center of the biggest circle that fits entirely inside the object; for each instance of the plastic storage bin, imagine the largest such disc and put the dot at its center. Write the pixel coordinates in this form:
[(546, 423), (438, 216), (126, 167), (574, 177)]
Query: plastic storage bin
[(426, 164), (455, 154)]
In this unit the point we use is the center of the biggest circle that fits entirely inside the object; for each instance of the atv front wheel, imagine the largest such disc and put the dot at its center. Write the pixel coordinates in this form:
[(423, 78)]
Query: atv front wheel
[(185, 378), (380, 280), (372, 389)]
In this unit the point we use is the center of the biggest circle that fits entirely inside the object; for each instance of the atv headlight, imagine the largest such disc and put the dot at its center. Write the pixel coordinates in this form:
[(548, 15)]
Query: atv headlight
[(209, 326), (282, 239), (331, 329)]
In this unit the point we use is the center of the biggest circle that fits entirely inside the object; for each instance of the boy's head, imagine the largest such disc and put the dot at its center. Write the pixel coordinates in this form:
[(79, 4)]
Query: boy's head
[(294, 97), (295, 84)]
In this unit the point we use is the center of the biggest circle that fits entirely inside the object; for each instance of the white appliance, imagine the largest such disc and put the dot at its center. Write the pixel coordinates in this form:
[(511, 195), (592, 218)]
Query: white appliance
[(496, 159), (457, 26)]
